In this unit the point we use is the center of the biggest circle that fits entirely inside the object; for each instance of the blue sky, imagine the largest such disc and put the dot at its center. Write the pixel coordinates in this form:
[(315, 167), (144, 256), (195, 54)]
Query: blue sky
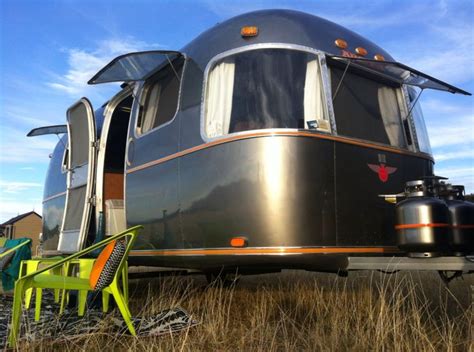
[(49, 49)]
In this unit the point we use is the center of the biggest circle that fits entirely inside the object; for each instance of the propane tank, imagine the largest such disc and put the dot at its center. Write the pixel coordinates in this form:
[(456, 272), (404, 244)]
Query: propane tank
[(461, 220), (422, 221)]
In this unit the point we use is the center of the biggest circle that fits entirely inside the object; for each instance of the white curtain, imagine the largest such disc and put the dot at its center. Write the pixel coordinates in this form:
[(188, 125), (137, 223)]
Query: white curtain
[(151, 107), (390, 111), (313, 94), (219, 98)]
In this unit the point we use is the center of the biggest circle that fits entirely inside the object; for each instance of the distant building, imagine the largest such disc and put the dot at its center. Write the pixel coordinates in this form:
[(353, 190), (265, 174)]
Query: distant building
[(24, 225)]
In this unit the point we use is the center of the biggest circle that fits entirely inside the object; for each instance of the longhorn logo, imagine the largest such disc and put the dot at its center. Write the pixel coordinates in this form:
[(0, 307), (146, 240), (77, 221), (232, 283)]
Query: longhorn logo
[(382, 170)]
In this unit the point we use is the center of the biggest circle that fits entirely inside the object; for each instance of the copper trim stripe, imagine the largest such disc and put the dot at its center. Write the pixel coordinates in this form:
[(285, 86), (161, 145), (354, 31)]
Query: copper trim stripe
[(275, 133), (259, 251), (417, 226), (463, 226), (57, 195)]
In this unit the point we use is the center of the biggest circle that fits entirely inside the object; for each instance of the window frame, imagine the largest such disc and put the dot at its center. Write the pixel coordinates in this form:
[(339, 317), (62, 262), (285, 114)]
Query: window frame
[(65, 159), (328, 110), (403, 106), (142, 95), (411, 120)]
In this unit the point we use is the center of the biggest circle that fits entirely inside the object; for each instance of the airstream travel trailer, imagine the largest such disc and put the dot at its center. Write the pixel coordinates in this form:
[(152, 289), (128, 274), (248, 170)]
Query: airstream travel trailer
[(265, 143)]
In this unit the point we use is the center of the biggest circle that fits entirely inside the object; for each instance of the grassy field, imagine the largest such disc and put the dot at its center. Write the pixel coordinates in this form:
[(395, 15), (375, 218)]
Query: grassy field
[(294, 311)]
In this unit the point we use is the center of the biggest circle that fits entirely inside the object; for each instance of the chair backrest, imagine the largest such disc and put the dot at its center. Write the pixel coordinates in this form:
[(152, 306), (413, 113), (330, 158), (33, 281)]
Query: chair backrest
[(105, 267)]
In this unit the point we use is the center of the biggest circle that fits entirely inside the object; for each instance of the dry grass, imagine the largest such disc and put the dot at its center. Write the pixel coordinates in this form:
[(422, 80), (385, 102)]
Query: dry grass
[(296, 311)]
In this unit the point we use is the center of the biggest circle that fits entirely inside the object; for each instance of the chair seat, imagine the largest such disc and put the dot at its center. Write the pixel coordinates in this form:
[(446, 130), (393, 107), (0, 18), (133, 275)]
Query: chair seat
[(61, 282)]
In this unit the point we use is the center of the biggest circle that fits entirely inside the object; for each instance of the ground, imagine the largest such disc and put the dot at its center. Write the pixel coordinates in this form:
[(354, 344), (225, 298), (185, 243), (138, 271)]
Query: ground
[(291, 311)]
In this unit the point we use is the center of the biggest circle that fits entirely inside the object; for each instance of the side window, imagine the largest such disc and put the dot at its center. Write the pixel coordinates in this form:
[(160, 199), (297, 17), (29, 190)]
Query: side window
[(419, 121), (159, 99), (265, 88), (64, 163), (366, 107)]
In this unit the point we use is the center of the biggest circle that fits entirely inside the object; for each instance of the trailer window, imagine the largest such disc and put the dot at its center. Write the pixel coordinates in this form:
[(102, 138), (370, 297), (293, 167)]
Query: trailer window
[(419, 121), (367, 108), (159, 100), (265, 88)]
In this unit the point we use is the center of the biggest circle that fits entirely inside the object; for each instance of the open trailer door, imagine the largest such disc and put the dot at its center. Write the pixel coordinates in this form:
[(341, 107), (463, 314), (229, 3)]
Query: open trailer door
[(80, 177)]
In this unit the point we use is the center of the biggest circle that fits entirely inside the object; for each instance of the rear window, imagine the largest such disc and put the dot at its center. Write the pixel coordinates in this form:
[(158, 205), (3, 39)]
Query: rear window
[(367, 108)]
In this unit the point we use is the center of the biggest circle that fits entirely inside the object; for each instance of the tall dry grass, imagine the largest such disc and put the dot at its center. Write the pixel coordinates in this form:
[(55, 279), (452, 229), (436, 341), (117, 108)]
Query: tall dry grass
[(296, 311)]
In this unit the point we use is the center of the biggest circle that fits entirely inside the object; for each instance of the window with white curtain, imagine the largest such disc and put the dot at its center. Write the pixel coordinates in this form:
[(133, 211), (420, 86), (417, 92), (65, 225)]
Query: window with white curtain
[(365, 107), (265, 88), (160, 96)]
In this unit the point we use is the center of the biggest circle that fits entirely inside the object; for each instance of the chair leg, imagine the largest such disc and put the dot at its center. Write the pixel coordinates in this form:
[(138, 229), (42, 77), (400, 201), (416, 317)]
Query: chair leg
[(64, 292), (123, 307), (105, 301), (38, 298), (125, 281), (16, 312), (31, 266), (85, 268), (57, 271)]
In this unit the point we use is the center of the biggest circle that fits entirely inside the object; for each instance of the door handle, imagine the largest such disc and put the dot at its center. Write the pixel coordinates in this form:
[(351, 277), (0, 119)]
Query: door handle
[(130, 152)]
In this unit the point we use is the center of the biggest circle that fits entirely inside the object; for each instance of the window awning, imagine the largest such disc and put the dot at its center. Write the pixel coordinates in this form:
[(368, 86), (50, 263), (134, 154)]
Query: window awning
[(399, 73), (134, 66), (56, 129)]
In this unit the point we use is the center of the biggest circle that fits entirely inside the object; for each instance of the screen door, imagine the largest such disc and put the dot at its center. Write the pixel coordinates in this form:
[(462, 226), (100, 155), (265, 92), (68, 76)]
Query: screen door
[(80, 177)]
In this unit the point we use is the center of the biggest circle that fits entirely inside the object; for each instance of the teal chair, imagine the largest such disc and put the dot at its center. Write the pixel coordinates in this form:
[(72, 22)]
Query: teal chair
[(12, 252)]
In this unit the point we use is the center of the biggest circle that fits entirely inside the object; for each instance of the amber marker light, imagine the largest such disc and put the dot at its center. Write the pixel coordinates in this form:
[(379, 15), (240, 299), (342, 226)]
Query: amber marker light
[(340, 43), (361, 51), (238, 242), (379, 57), (249, 31)]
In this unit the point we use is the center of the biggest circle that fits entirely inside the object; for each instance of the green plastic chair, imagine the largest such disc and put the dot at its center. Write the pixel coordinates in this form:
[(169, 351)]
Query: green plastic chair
[(84, 267), (43, 279)]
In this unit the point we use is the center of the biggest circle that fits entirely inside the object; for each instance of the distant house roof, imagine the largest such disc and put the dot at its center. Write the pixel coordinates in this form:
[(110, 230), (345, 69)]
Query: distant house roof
[(19, 217)]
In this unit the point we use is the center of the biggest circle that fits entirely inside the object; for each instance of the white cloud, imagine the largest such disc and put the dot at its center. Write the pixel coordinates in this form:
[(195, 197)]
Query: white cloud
[(10, 209), (450, 127), (451, 135), (25, 115), (16, 187), (83, 64), (454, 155), (16, 147)]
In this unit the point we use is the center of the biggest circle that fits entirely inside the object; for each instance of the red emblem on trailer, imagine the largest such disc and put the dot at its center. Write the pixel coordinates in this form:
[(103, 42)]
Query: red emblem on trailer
[(382, 170)]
